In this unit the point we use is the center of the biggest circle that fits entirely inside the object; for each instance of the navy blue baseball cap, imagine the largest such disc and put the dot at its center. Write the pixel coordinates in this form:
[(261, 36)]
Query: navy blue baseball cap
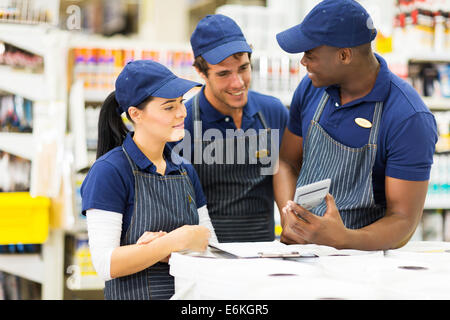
[(217, 37), (335, 23), (141, 79)]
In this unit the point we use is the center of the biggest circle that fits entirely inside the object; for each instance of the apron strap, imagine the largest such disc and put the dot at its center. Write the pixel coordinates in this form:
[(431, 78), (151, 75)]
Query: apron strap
[(376, 122), (321, 106), (196, 118), (263, 120), (131, 162)]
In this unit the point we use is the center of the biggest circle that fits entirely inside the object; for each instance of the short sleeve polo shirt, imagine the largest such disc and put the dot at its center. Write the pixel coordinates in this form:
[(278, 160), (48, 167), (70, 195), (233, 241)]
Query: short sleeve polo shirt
[(275, 113), (109, 185), (407, 134)]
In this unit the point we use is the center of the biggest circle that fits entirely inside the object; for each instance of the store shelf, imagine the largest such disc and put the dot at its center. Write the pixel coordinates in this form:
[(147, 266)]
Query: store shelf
[(430, 57), (28, 85), (18, 144), (26, 37), (29, 266), (95, 96), (439, 104), (441, 202)]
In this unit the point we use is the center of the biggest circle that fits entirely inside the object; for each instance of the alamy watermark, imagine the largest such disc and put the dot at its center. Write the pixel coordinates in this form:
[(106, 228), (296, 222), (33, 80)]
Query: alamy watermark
[(73, 21), (236, 147)]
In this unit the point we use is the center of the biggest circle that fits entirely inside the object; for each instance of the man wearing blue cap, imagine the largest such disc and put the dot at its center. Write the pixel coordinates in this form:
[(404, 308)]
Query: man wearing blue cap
[(355, 122), (246, 127)]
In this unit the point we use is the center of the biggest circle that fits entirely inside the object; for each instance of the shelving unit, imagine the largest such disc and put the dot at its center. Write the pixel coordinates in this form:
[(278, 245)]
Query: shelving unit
[(48, 92)]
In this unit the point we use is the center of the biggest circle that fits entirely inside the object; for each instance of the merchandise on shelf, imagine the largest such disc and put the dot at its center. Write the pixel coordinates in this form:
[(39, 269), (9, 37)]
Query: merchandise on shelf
[(98, 68), (15, 173), (430, 79), (92, 114), (422, 26), (19, 58), (28, 11), (15, 114), (277, 75), (444, 79), (443, 125), (259, 24), (15, 288), (83, 273)]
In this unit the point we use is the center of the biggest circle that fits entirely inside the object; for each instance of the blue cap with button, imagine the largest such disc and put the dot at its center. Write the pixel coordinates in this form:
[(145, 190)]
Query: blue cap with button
[(217, 37), (144, 78), (335, 23)]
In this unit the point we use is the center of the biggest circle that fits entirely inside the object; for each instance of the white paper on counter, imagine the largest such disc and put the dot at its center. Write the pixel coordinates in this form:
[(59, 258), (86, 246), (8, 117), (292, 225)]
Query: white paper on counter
[(255, 249)]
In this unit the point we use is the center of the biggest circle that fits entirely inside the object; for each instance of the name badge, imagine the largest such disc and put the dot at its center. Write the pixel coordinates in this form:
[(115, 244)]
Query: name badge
[(364, 123)]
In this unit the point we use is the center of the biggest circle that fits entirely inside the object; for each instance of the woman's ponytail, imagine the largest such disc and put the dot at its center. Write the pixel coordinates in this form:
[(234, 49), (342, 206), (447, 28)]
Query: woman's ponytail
[(111, 129)]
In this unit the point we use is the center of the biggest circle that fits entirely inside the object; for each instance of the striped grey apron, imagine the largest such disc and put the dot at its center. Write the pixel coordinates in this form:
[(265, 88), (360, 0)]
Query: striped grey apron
[(350, 170), (161, 203), (240, 199)]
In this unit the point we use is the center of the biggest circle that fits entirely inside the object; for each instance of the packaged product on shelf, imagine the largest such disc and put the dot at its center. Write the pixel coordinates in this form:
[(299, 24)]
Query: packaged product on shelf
[(151, 55), (19, 58), (15, 175), (274, 75), (83, 275), (128, 55), (15, 114), (443, 126), (118, 63), (429, 76), (27, 12), (92, 114), (79, 67), (91, 83), (421, 26), (444, 79), (22, 108), (439, 31), (447, 31), (284, 76)]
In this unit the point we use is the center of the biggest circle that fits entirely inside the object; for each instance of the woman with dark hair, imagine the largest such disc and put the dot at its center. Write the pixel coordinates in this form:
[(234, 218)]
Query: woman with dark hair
[(141, 200)]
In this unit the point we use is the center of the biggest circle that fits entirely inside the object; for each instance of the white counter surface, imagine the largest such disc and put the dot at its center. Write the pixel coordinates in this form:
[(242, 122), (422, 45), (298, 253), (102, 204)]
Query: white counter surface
[(419, 270)]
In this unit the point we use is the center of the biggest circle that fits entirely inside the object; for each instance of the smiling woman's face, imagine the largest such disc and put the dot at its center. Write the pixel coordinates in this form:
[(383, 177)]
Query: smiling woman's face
[(162, 119)]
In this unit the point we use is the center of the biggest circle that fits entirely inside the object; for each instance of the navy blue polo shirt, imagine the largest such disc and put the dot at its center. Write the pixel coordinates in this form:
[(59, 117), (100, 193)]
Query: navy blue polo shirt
[(407, 134), (109, 185), (275, 113)]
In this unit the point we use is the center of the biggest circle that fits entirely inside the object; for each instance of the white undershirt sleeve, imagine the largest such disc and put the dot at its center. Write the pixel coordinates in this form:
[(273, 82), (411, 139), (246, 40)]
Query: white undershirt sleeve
[(204, 220), (104, 230)]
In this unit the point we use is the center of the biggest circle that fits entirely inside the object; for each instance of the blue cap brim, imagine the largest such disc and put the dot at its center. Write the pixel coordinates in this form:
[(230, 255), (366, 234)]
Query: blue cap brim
[(175, 88), (293, 40), (220, 53)]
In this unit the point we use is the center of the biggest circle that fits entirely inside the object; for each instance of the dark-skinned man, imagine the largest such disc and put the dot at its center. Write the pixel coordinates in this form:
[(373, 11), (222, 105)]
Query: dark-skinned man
[(355, 122)]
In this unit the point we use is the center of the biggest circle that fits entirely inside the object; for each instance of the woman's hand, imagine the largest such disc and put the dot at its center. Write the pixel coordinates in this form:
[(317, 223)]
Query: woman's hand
[(191, 237), (149, 236)]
